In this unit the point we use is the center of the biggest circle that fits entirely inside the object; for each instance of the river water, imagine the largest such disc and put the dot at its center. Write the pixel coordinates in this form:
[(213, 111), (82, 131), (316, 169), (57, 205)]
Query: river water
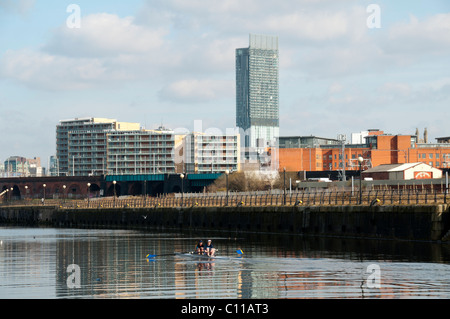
[(107, 264)]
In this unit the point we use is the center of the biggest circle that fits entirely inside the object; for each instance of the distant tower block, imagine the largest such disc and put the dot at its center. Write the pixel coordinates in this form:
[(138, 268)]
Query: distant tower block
[(257, 97)]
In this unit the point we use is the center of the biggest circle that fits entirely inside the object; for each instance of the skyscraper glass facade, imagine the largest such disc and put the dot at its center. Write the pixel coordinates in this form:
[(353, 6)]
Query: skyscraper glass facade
[(257, 91)]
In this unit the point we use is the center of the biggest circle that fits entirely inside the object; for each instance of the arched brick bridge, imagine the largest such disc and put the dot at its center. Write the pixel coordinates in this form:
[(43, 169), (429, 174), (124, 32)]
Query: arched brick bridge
[(77, 186)]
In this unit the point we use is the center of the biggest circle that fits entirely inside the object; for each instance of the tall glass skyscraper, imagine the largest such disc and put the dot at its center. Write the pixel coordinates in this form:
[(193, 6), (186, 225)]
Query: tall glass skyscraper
[(257, 91)]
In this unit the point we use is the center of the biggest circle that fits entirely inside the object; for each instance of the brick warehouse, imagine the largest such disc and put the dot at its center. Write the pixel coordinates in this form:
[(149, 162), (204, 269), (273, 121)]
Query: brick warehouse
[(378, 149)]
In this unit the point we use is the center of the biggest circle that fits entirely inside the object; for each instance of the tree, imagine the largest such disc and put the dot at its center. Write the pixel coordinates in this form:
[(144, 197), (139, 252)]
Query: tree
[(251, 181)]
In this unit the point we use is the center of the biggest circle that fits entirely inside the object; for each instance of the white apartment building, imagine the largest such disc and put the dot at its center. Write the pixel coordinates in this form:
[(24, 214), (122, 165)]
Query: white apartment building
[(141, 152), (96, 146), (210, 153), (81, 144)]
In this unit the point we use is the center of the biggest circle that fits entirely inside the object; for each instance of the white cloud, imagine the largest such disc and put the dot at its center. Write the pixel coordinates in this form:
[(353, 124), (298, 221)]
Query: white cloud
[(44, 71), (105, 50), (335, 88), (109, 48), (17, 6), (318, 39), (317, 26), (396, 89), (197, 91), (316, 20), (416, 37), (102, 35)]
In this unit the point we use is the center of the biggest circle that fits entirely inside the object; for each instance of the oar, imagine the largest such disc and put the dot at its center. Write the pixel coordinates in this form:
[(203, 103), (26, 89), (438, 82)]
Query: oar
[(172, 254)]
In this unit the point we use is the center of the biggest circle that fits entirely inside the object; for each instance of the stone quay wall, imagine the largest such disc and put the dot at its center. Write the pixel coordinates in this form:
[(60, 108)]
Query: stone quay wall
[(404, 222)]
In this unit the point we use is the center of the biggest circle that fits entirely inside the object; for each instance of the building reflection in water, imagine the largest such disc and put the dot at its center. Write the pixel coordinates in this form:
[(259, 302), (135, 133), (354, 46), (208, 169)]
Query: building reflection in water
[(33, 263)]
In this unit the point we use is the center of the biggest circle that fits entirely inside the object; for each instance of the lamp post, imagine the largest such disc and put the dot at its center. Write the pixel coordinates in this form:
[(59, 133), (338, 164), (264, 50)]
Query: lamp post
[(182, 188), (64, 193), (284, 186), (43, 199), (227, 172), (360, 160), (446, 187), (89, 192), (26, 191), (145, 192), (114, 183)]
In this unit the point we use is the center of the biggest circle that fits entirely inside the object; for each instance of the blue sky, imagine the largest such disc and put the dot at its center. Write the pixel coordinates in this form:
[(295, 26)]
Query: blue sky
[(172, 62)]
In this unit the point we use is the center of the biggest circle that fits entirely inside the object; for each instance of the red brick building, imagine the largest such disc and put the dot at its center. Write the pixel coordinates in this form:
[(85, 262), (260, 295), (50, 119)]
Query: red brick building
[(378, 149)]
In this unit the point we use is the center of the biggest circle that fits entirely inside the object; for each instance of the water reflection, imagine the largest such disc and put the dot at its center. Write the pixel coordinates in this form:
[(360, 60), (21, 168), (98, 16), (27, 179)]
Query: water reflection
[(113, 264)]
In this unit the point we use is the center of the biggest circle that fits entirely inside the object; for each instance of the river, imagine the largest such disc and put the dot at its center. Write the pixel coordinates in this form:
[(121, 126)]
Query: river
[(52, 263)]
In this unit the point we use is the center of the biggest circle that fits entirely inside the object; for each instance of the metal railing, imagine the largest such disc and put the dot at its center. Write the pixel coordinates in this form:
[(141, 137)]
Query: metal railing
[(300, 198)]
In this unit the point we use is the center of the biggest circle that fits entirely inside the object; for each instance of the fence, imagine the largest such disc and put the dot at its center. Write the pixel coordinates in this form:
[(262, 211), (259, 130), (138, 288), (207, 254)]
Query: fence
[(314, 198)]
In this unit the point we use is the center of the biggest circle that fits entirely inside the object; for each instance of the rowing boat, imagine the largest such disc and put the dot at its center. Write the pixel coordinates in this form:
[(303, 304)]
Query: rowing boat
[(194, 255), (205, 257)]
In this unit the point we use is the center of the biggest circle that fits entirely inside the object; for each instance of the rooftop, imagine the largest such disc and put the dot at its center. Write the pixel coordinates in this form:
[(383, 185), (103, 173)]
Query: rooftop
[(392, 167)]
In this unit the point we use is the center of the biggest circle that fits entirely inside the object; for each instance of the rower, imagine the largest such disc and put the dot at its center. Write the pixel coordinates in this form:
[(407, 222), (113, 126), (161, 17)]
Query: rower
[(210, 250), (200, 249)]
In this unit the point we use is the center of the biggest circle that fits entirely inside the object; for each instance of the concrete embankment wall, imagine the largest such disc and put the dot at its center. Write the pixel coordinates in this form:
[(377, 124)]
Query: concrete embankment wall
[(426, 222)]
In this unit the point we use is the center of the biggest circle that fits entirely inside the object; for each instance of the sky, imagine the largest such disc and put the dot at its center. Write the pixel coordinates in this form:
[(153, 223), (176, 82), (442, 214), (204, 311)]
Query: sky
[(345, 67)]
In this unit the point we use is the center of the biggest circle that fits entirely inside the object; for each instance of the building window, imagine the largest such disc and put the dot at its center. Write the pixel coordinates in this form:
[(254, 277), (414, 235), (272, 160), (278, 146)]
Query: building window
[(430, 155)]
